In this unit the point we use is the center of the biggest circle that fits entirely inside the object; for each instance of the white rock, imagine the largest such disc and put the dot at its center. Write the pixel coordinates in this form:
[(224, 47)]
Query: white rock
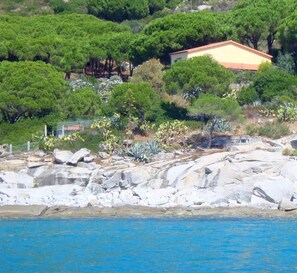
[(16, 180), (289, 170), (273, 190), (78, 156), (286, 205), (62, 156)]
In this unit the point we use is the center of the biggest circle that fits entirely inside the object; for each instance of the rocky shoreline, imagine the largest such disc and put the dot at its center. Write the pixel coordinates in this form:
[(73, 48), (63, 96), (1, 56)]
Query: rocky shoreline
[(38, 211), (255, 179)]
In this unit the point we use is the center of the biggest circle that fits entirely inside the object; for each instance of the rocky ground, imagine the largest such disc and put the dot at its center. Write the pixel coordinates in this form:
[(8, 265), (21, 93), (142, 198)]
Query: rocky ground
[(250, 179)]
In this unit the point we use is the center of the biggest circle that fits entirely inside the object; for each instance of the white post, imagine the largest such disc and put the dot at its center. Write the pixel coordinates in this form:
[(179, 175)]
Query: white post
[(10, 149), (63, 130), (45, 132), (28, 146)]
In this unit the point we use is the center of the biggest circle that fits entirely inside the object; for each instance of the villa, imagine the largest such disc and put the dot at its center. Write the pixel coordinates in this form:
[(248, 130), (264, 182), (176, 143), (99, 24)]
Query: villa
[(229, 54)]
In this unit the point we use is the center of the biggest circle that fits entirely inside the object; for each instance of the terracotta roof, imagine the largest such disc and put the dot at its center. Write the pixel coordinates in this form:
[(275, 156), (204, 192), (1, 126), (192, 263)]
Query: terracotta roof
[(219, 44)]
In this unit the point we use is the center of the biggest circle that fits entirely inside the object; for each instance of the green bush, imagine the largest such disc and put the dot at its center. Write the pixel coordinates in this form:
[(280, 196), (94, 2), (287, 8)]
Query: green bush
[(274, 130), (247, 95), (21, 132)]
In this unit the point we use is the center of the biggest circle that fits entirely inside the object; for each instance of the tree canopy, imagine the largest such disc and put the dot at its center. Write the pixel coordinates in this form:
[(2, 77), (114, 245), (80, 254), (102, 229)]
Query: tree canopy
[(136, 100), (214, 108), (178, 31), (256, 21), (196, 75), (274, 82), (29, 89), (66, 41)]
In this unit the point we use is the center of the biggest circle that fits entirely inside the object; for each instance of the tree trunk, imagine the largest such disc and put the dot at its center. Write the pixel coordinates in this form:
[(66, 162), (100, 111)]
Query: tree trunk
[(270, 40), (213, 124)]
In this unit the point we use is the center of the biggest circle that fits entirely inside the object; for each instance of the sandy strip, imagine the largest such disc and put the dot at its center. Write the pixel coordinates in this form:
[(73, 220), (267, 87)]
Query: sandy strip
[(130, 211)]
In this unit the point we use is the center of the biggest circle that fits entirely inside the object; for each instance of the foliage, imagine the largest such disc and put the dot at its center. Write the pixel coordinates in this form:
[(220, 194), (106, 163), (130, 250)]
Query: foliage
[(170, 130), (136, 100), (274, 130), (287, 152), (174, 32), (70, 141), (70, 6), (247, 95), (110, 141), (119, 11), (151, 72), (144, 151), (215, 109), (275, 82), (200, 74), (221, 125), (101, 86), (287, 34), (82, 102), (66, 41), (21, 132), (287, 112), (255, 21), (146, 127), (286, 63), (29, 89)]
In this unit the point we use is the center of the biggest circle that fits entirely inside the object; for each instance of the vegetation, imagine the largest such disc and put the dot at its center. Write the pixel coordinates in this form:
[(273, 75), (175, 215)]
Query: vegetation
[(214, 109), (198, 75), (29, 90), (87, 58)]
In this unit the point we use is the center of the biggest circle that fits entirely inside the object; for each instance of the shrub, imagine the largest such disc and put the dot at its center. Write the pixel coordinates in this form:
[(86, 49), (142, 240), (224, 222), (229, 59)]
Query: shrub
[(170, 130), (287, 113), (274, 130), (247, 95), (287, 152), (144, 151)]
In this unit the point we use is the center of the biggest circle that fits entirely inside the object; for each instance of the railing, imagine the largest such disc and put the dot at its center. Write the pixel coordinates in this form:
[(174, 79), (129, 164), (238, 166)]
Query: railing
[(27, 147), (68, 127)]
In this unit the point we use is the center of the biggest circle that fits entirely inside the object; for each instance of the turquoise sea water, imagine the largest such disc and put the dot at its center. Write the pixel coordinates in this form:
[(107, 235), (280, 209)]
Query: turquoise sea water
[(148, 245)]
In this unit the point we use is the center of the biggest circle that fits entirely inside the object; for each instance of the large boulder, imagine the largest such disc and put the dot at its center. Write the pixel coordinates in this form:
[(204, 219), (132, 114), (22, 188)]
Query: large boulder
[(16, 180), (272, 190), (287, 205), (61, 175), (137, 175), (61, 157), (289, 170), (78, 156)]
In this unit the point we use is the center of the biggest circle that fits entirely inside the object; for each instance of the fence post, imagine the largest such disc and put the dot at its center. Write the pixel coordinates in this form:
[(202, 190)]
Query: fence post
[(45, 132), (28, 146), (63, 130), (10, 149)]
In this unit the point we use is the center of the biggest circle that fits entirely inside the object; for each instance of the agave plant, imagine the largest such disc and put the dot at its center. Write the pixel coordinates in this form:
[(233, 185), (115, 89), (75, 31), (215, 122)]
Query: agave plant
[(153, 147)]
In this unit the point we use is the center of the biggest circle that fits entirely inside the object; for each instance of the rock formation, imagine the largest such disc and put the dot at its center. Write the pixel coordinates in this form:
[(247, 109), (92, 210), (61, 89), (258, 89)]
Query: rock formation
[(258, 176)]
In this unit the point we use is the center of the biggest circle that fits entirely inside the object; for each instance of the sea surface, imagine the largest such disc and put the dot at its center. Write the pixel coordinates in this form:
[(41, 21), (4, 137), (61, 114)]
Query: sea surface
[(148, 245)]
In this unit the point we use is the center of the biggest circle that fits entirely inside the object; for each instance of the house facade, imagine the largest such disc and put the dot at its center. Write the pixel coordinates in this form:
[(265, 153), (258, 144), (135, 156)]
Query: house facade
[(229, 54)]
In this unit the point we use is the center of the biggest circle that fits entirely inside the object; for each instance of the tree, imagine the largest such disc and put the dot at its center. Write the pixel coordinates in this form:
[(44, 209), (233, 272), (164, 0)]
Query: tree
[(151, 72), (196, 75), (215, 109), (174, 32), (29, 89), (118, 11), (67, 41), (274, 82), (81, 102), (286, 62), (255, 21), (288, 35), (136, 100)]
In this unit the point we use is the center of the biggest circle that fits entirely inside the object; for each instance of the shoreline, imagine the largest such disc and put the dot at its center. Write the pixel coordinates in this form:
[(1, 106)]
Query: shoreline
[(41, 211)]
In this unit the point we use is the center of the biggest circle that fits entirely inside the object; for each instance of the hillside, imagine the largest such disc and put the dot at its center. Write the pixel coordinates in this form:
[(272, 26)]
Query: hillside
[(33, 7)]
